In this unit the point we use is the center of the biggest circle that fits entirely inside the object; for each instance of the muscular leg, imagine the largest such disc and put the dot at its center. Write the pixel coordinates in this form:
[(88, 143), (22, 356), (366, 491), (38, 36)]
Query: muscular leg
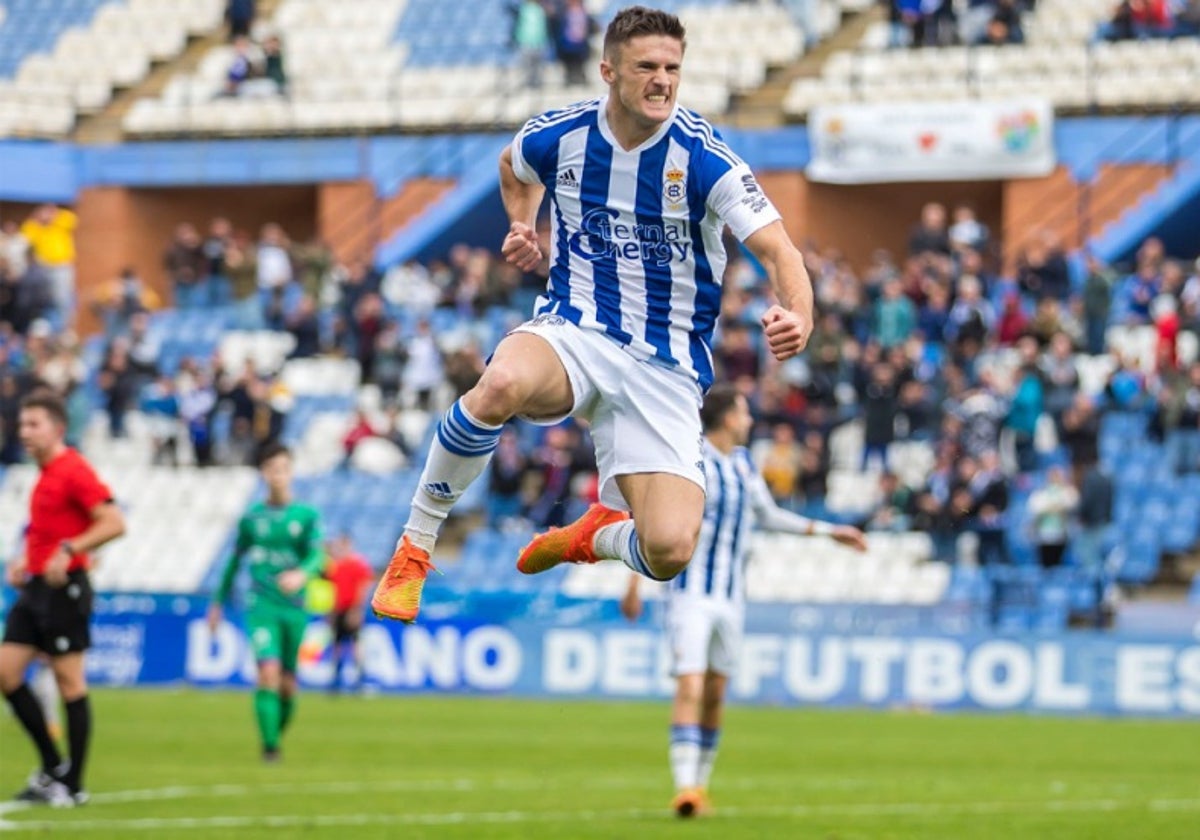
[(667, 511), (524, 376)]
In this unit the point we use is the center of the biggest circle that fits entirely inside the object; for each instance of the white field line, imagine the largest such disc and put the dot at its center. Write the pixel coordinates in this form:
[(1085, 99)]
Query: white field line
[(218, 791), (866, 809)]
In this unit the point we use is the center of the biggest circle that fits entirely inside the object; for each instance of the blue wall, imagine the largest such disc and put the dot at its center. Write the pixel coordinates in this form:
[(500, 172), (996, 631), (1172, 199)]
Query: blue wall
[(57, 171), (31, 171), (38, 171)]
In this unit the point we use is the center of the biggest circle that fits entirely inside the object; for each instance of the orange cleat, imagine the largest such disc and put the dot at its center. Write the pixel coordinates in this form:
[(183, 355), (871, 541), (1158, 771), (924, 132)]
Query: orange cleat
[(572, 544), (688, 803), (398, 595), (705, 803)]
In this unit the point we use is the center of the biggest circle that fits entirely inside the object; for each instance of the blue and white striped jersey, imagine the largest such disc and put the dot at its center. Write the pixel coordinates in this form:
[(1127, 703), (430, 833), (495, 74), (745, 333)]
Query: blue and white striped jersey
[(737, 500), (636, 247)]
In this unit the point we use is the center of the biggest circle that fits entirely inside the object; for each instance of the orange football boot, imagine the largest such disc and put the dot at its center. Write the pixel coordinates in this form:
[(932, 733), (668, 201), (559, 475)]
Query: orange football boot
[(398, 595), (688, 803), (572, 544)]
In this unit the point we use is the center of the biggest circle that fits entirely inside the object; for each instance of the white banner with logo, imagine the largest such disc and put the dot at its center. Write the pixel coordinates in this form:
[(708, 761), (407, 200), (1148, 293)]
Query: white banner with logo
[(944, 141)]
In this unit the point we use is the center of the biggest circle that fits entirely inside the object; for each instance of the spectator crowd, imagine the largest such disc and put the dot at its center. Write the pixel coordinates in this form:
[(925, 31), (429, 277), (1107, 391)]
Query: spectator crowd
[(558, 30), (938, 23), (937, 345)]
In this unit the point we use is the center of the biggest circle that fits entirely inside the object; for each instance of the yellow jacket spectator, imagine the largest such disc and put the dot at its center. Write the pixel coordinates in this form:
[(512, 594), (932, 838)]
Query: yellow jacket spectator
[(51, 233), (116, 301)]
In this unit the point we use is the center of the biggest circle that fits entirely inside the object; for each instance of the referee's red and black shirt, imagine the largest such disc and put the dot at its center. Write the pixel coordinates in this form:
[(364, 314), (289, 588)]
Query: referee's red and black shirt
[(61, 508)]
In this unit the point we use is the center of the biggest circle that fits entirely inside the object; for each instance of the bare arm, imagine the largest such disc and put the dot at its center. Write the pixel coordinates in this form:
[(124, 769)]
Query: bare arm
[(771, 517), (521, 200), (788, 325), (521, 203), (108, 523)]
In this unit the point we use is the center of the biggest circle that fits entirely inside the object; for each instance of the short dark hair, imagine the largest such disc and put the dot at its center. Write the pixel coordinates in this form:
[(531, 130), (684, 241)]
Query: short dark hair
[(270, 450), (636, 21), (718, 402), (49, 401)]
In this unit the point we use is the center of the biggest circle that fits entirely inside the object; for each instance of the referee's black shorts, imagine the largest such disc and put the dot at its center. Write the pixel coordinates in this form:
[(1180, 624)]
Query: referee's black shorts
[(346, 624), (55, 620)]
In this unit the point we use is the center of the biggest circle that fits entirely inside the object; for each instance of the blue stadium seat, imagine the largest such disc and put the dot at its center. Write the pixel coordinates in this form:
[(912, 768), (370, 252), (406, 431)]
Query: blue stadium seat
[(1141, 554)]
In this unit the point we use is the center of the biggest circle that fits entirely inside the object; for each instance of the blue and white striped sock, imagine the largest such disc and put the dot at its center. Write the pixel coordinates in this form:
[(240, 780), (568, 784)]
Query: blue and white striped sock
[(460, 451), (709, 738), (619, 541), (685, 755)]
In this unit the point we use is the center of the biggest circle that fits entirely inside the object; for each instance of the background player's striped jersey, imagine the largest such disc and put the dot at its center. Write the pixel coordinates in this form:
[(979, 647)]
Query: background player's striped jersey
[(736, 498), (636, 235)]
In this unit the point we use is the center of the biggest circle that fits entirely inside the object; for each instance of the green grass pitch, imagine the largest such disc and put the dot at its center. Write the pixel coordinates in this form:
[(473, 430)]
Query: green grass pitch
[(184, 764)]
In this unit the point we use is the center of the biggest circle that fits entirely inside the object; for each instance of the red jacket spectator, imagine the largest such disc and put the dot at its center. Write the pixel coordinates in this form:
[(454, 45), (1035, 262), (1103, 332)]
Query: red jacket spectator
[(1013, 322)]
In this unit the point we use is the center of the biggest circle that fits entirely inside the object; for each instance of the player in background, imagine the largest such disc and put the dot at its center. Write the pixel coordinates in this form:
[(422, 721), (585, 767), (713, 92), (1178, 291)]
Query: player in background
[(71, 513), (640, 190), (351, 576), (705, 604), (280, 541), (45, 688)]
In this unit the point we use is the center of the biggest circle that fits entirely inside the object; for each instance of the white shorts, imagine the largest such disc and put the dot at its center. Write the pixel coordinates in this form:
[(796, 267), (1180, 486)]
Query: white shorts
[(704, 634), (644, 417)]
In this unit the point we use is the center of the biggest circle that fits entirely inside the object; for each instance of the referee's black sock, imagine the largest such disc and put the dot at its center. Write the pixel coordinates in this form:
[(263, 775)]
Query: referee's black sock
[(79, 732), (25, 707)]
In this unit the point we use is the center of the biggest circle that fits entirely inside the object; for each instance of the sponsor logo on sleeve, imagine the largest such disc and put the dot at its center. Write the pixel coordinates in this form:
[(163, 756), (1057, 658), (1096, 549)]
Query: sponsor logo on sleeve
[(754, 198)]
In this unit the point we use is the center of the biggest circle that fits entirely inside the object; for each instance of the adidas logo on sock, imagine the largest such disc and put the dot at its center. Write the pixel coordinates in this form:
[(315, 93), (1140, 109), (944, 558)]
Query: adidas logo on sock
[(567, 180), (439, 490)]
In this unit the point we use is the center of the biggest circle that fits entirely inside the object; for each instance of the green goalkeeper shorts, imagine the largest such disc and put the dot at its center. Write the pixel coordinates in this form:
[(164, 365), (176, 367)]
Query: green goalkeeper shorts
[(276, 634)]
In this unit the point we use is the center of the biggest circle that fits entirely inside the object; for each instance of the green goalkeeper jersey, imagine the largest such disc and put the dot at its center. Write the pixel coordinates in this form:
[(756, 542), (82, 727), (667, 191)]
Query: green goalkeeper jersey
[(273, 539)]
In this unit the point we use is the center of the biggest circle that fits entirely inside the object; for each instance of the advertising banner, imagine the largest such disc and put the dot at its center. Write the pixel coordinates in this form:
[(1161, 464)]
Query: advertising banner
[(933, 141), (532, 646)]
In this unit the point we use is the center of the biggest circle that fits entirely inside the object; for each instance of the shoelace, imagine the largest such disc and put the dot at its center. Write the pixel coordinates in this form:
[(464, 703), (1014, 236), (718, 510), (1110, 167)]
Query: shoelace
[(416, 558)]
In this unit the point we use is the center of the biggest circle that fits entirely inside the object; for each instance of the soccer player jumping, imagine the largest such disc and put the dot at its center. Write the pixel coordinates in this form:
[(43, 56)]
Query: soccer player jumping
[(640, 190), (706, 602)]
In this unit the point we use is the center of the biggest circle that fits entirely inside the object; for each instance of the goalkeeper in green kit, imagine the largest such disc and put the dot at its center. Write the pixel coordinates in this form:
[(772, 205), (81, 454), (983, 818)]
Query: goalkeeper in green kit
[(280, 540)]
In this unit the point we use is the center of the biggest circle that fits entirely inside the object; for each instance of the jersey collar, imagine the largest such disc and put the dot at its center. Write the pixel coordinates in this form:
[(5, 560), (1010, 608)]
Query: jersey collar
[(606, 130)]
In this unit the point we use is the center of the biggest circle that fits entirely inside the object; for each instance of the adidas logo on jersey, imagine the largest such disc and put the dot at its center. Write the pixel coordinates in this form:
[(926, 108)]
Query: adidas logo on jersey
[(567, 180)]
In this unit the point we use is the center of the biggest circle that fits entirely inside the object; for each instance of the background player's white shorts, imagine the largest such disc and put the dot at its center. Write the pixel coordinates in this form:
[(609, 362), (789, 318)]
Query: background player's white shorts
[(704, 634), (645, 418)]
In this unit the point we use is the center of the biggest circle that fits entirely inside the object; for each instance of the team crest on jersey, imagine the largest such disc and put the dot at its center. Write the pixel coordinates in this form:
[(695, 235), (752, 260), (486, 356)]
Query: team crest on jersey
[(674, 187), (294, 528)]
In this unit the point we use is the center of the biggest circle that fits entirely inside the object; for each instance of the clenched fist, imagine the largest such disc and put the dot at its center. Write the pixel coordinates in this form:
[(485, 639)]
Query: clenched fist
[(787, 332), (521, 247)]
